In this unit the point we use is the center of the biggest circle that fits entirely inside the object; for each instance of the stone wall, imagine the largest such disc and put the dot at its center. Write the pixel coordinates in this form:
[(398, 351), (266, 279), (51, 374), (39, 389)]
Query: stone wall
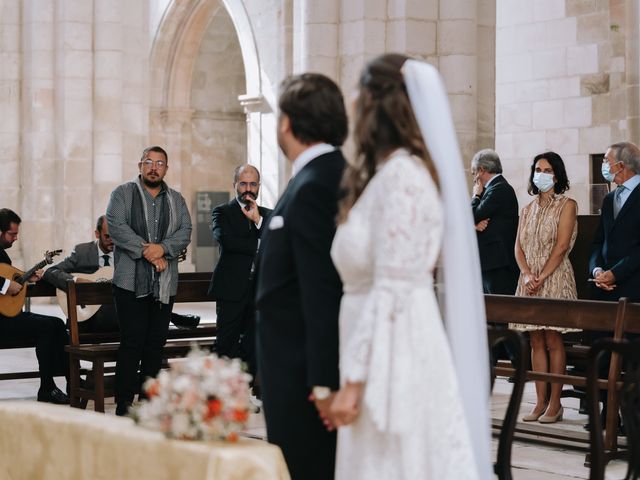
[(74, 107), (562, 84)]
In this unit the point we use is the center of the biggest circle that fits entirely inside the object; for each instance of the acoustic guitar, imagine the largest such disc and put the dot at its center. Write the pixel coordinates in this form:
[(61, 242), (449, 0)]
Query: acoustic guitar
[(11, 305), (85, 312)]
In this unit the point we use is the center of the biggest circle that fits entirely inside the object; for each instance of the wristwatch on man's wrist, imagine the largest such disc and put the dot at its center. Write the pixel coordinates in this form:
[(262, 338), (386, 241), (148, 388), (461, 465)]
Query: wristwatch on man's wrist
[(320, 392)]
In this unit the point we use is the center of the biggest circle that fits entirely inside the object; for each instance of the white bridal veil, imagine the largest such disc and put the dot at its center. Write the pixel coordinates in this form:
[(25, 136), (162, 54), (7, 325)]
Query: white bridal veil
[(464, 311)]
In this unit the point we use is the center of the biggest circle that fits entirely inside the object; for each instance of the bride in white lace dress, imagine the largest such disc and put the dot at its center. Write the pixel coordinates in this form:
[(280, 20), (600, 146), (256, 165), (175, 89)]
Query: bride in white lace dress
[(399, 408)]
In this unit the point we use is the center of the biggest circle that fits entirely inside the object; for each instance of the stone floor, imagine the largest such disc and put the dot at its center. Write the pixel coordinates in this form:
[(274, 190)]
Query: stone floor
[(531, 461)]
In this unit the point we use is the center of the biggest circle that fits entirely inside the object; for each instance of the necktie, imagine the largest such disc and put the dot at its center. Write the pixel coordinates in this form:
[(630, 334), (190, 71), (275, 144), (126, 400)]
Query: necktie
[(106, 260), (617, 204)]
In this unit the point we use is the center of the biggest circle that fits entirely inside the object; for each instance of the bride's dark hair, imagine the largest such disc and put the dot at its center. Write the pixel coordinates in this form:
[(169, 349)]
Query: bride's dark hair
[(384, 122)]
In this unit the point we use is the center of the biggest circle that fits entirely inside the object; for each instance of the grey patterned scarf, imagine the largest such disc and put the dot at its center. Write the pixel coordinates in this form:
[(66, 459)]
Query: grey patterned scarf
[(147, 280)]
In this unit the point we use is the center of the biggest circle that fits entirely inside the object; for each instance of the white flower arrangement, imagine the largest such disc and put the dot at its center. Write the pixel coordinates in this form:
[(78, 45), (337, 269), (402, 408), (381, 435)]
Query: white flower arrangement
[(202, 397)]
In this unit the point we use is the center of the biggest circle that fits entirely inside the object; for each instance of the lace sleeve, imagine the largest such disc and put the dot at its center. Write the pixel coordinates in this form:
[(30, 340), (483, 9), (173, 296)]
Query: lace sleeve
[(406, 241)]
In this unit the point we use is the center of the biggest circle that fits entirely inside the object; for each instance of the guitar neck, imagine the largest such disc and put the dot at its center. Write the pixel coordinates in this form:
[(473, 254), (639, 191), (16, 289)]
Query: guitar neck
[(27, 275)]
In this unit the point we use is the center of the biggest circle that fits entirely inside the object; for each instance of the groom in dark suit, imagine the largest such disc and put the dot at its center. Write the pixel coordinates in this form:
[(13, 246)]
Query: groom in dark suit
[(298, 289), (615, 252), (495, 213), (237, 227)]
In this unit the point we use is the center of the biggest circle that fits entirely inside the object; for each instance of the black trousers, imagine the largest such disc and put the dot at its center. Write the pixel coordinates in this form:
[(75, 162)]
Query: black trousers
[(500, 281), (144, 325), (236, 327), (50, 336)]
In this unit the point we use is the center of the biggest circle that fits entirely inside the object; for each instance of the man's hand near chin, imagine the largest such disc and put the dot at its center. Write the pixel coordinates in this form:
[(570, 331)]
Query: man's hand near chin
[(323, 407)]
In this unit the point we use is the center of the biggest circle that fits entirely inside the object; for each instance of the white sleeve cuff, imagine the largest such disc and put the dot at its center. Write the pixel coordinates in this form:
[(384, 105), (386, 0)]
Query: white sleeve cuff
[(5, 287), (259, 224), (596, 271)]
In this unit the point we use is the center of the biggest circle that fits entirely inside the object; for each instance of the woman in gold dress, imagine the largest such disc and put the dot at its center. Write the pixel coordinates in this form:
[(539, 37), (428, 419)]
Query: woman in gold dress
[(546, 233)]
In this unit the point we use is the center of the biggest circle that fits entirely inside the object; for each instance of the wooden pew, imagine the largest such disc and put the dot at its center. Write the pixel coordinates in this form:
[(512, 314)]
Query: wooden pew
[(617, 318), (99, 349)]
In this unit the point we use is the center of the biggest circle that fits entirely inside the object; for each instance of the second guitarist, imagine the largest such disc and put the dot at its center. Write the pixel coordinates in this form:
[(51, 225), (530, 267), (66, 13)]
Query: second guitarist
[(49, 333), (88, 258)]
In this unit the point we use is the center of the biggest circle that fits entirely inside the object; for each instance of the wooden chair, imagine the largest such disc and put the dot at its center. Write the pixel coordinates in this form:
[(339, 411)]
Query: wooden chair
[(517, 348), (627, 355)]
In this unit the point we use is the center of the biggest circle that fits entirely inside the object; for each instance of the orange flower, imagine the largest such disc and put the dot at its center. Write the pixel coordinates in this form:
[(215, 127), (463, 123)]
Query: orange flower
[(153, 389), (214, 407), (240, 415), (232, 437)]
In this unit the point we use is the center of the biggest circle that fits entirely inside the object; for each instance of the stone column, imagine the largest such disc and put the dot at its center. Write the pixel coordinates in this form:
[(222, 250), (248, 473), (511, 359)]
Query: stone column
[(135, 119), (315, 46), (362, 36), (107, 96), (618, 69), (486, 49), (258, 116), (74, 68), (633, 70), (10, 120), (458, 64), (40, 164)]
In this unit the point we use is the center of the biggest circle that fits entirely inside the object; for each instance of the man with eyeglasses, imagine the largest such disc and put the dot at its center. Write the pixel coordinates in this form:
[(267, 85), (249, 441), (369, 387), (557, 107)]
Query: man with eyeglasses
[(150, 226), (237, 226)]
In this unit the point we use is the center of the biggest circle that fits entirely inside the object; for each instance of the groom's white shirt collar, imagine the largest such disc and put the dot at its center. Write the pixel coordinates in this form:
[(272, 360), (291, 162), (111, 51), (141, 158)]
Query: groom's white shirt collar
[(309, 154)]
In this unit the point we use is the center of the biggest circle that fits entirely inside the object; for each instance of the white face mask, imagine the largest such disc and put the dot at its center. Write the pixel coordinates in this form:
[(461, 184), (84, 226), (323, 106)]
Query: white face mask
[(544, 181)]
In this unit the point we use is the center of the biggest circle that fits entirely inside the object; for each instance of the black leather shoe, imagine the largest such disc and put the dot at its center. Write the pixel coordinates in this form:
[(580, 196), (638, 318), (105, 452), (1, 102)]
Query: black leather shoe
[(53, 396), (185, 321), (122, 409)]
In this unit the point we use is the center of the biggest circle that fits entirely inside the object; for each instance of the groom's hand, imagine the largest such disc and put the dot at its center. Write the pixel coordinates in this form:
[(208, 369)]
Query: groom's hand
[(323, 407)]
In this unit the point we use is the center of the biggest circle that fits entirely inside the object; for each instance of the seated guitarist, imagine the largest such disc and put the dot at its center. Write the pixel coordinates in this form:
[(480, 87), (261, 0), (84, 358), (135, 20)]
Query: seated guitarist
[(49, 333), (88, 258)]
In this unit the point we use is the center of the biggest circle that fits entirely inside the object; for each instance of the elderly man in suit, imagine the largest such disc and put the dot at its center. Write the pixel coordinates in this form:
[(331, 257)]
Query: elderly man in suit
[(495, 212), (615, 252), (237, 226), (298, 290), (88, 258)]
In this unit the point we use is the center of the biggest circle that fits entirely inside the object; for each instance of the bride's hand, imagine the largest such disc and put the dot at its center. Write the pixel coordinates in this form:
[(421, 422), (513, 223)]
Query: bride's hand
[(345, 407)]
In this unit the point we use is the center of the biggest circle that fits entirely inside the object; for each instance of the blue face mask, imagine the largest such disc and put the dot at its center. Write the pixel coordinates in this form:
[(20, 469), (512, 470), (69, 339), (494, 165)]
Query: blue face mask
[(606, 172), (544, 181)]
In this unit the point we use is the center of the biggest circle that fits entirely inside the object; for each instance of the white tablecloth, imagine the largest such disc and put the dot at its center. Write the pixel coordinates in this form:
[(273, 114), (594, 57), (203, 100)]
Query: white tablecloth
[(41, 441)]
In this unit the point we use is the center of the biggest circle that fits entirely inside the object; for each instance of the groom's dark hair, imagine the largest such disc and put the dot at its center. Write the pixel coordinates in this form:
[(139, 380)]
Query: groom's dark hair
[(315, 107)]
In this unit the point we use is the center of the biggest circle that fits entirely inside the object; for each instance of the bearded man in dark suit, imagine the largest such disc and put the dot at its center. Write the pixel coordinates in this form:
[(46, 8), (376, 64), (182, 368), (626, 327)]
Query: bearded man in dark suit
[(237, 226), (298, 289), (495, 212)]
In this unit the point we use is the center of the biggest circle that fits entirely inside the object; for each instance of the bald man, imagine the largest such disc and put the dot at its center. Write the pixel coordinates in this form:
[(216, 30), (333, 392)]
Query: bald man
[(237, 227)]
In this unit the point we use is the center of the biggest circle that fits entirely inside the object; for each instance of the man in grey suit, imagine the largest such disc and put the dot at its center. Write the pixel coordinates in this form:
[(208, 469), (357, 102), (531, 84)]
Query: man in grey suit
[(88, 258)]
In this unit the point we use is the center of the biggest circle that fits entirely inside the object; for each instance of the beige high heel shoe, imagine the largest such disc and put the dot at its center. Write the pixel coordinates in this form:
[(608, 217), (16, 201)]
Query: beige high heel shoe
[(532, 417), (551, 418)]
